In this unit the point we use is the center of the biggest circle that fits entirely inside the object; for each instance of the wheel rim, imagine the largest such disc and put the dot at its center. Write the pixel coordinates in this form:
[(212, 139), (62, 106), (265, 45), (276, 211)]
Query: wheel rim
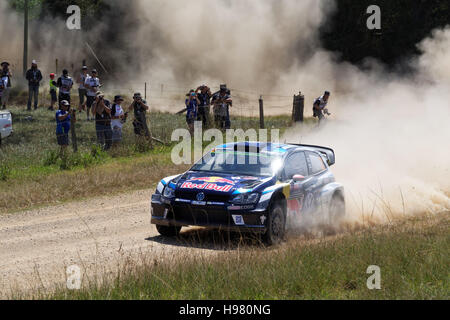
[(277, 223)]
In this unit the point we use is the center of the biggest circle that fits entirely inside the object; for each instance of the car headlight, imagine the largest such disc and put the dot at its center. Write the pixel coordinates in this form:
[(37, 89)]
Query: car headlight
[(247, 198), (169, 193)]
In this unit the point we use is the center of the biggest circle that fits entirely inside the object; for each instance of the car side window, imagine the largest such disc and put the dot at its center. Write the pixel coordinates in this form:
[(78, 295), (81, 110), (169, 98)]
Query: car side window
[(317, 164), (296, 164)]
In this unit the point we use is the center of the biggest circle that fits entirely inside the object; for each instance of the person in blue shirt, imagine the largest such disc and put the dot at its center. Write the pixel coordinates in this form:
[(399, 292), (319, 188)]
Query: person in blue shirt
[(63, 126), (192, 104)]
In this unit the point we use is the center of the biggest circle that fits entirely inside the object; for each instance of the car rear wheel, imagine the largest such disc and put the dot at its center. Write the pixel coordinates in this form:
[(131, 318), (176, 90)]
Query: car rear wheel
[(337, 209), (168, 231), (276, 225)]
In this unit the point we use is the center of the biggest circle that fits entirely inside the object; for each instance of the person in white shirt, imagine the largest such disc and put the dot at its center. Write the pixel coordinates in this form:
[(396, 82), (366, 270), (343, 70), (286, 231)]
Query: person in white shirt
[(82, 92), (65, 84), (320, 106), (92, 85), (117, 118)]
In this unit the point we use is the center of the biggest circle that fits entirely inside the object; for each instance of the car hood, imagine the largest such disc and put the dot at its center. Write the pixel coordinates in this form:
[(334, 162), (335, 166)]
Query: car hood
[(219, 183)]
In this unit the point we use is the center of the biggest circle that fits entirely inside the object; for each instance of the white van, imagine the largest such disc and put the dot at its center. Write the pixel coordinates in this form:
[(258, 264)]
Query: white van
[(6, 128)]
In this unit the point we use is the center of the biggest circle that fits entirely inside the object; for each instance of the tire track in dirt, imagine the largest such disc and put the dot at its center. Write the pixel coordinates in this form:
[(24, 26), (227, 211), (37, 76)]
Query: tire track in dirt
[(36, 246)]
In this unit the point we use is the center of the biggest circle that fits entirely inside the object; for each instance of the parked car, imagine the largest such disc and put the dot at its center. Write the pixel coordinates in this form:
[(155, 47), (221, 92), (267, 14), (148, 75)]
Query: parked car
[(6, 128), (251, 187)]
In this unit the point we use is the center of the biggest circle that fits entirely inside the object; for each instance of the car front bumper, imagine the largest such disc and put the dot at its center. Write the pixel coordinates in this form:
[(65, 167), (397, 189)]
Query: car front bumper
[(183, 213)]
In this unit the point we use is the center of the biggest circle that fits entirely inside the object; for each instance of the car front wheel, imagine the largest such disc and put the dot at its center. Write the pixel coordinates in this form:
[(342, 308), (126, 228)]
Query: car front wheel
[(276, 225), (168, 231)]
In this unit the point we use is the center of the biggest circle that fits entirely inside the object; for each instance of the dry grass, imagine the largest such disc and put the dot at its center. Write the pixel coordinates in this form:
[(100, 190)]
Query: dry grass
[(110, 178)]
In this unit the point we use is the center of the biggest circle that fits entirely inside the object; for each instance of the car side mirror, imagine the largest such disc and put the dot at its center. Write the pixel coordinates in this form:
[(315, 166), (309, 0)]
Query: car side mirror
[(298, 178)]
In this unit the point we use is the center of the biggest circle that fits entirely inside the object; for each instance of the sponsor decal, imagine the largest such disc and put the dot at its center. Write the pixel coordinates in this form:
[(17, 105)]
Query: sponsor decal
[(213, 180), (263, 219), (207, 186), (238, 220)]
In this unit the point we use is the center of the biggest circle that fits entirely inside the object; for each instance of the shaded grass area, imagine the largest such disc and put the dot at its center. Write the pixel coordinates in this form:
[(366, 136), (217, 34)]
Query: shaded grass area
[(413, 256)]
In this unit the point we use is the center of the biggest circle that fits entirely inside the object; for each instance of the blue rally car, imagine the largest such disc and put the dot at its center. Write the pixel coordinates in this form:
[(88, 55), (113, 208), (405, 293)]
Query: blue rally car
[(251, 187)]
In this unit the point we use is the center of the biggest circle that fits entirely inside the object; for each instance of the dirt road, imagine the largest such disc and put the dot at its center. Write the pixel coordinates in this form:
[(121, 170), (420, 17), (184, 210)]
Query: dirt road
[(37, 246)]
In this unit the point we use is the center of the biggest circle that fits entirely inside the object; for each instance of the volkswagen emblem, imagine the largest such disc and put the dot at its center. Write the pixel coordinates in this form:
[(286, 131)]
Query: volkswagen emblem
[(200, 196)]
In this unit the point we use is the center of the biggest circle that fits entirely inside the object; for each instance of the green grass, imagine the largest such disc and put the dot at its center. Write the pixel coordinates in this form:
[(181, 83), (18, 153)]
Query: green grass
[(413, 256)]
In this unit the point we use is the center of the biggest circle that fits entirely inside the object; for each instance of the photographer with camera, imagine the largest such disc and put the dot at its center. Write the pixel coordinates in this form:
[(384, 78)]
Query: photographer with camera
[(192, 105), (63, 126), (222, 102), (320, 106), (118, 117), (101, 109), (139, 107), (204, 96), (92, 84)]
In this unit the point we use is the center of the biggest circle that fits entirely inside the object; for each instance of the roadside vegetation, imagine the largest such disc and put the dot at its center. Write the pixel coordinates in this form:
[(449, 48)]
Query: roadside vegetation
[(32, 172), (413, 255)]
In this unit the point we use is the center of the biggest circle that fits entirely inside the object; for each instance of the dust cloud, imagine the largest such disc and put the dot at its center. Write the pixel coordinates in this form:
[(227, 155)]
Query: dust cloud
[(391, 135)]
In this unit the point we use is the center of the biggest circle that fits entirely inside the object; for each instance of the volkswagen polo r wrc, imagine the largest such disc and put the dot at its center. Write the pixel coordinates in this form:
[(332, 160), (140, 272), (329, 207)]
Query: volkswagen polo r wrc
[(251, 187)]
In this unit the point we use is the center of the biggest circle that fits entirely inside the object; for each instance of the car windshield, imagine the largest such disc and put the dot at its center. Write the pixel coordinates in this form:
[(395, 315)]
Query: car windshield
[(240, 163)]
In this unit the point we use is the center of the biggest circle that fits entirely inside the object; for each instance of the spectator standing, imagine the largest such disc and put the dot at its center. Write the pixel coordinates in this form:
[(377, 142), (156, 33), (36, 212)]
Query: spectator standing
[(117, 119), (63, 126), (204, 96), (53, 88), (101, 109), (320, 106), (192, 103), (140, 108), (92, 84), (5, 77), (222, 102), (65, 84), (81, 80), (34, 77)]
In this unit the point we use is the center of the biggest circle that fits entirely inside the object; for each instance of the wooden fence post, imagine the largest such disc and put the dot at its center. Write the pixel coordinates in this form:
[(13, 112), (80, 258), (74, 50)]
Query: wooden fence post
[(261, 112), (73, 121), (298, 108)]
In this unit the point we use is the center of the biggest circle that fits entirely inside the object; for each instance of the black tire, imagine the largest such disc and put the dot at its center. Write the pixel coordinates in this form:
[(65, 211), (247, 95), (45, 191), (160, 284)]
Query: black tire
[(276, 225), (337, 209), (168, 231)]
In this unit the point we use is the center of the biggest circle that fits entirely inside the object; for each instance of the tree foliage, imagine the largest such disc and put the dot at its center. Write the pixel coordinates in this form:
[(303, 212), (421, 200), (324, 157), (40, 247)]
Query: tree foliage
[(404, 24)]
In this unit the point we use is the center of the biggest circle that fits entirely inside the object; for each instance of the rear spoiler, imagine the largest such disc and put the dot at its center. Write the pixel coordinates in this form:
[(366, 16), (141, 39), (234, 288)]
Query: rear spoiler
[(327, 152)]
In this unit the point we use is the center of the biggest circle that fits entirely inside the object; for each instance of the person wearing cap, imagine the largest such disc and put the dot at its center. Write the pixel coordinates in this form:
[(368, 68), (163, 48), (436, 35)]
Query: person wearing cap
[(53, 88), (139, 107), (320, 106), (34, 77), (204, 96), (222, 102), (65, 84), (117, 119), (5, 81), (63, 126), (92, 84), (81, 80), (192, 103), (101, 109)]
